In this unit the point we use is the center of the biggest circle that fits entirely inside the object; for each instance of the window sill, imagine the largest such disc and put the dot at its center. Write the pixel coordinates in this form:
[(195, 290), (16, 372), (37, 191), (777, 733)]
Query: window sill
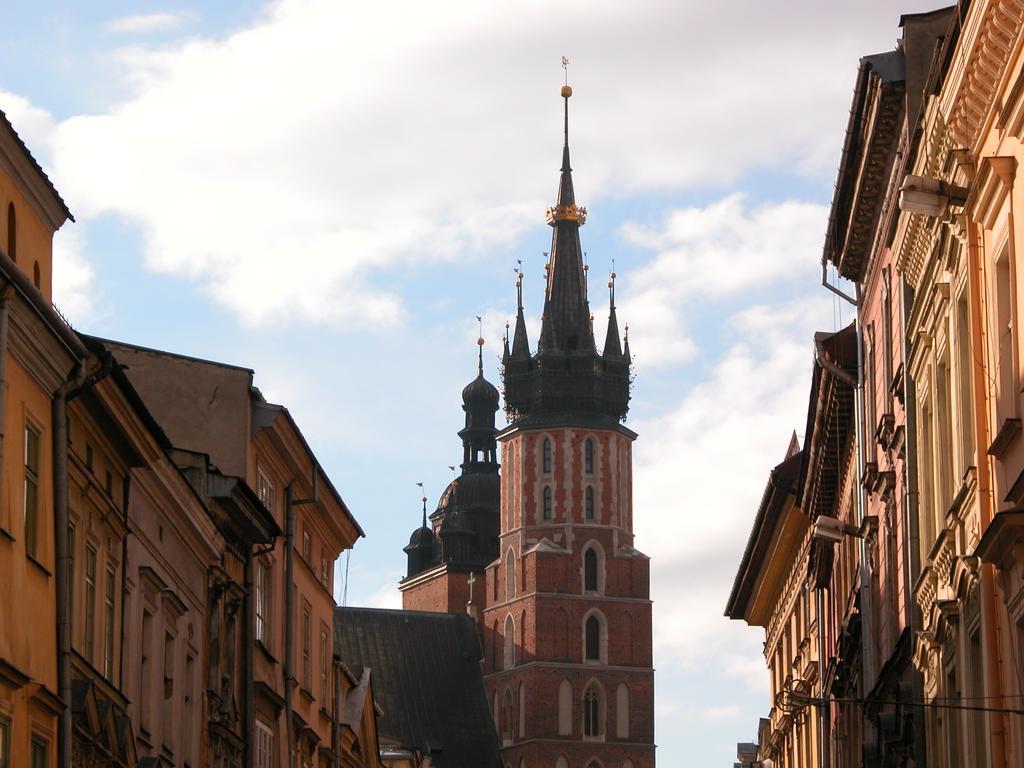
[(266, 652), (305, 693), (38, 564), (4, 533)]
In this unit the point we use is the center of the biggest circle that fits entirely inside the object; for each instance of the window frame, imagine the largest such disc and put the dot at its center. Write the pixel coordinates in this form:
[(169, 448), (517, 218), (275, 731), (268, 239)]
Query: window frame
[(31, 518)]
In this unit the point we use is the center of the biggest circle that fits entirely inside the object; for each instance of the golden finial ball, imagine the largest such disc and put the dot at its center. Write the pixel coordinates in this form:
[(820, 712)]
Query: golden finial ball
[(480, 342), (566, 91), (613, 275)]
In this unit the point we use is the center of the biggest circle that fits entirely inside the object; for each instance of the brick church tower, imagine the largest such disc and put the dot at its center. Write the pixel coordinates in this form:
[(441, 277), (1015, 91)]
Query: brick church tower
[(567, 617)]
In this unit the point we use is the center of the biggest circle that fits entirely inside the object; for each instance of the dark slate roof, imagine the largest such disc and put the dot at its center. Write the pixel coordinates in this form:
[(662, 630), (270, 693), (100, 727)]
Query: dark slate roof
[(427, 681)]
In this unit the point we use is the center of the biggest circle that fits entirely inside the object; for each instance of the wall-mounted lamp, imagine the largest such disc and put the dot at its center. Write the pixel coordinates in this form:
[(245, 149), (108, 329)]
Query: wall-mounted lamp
[(831, 530), (931, 197)]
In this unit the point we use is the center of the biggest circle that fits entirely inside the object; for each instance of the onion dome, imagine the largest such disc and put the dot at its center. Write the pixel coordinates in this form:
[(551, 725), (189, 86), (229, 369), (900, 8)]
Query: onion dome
[(421, 537), (480, 391), (421, 546)]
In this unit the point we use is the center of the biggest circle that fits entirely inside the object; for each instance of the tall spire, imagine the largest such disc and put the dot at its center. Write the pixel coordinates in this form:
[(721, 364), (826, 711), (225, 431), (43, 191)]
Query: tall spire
[(566, 326), (520, 343), (612, 347)]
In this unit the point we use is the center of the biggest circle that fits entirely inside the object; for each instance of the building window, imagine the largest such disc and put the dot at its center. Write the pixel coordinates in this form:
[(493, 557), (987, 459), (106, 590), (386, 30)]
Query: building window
[(592, 712), (168, 713), (325, 666), (307, 642), (32, 491), (546, 468), (588, 501), (108, 622), (590, 570), (88, 457), (12, 232), (262, 602), (108, 484), (90, 601), (36, 276), (307, 545), (522, 711), (5, 742), (264, 745), (547, 502), (40, 755), (588, 456), (592, 638), (146, 672), (265, 489), (325, 573)]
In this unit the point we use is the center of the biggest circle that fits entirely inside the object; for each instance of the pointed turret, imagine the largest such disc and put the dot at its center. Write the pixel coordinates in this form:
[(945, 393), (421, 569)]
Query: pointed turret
[(625, 346), (612, 348), (520, 342), (566, 325)]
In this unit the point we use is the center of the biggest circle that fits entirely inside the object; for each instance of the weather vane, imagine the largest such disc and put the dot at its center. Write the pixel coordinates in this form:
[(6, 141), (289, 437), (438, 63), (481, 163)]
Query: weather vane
[(565, 66)]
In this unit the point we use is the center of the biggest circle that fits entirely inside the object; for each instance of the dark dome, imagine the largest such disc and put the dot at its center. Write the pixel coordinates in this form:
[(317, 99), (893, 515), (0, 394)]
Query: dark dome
[(455, 523), (480, 390), (478, 490), (447, 500), (421, 537)]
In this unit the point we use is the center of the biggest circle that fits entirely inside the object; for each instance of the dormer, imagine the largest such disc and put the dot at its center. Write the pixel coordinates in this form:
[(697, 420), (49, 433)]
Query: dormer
[(31, 210)]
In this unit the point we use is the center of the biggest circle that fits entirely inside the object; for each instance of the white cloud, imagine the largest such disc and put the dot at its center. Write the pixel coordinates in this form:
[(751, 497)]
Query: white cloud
[(287, 166), (700, 469), (34, 125), (709, 253), (148, 22), (74, 284)]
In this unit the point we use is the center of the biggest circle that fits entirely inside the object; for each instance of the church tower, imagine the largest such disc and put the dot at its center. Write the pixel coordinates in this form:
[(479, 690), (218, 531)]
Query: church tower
[(567, 625), (448, 554)]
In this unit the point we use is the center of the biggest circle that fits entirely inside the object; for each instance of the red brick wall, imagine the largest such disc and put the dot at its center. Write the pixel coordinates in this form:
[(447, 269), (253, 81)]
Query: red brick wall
[(549, 604)]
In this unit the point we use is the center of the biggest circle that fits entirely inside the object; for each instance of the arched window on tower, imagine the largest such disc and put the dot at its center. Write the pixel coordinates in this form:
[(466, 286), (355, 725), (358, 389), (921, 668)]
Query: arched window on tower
[(546, 457), (510, 575), (590, 570), (510, 642), (592, 706), (548, 512), (588, 456), (12, 232), (593, 639), (588, 501)]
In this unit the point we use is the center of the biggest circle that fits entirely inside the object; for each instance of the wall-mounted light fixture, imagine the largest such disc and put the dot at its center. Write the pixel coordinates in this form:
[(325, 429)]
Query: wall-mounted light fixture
[(831, 530), (931, 197)]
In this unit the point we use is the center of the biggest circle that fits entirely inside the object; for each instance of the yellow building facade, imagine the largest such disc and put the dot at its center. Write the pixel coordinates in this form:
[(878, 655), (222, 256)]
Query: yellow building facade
[(39, 355)]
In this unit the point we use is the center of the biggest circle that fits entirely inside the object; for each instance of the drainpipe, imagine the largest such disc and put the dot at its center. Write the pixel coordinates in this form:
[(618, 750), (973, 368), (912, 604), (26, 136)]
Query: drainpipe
[(911, 532), (5, 296), (248, 659), (289, 620), (989, 630), (823, 708), (76, 383), (335, 714)]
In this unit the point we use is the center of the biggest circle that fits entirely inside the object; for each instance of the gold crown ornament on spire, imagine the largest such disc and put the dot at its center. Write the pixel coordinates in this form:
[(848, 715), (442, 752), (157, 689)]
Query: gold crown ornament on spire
[(566, 210)]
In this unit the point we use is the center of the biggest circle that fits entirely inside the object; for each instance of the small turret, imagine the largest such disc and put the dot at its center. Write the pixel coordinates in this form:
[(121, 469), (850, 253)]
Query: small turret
[(421, 546)]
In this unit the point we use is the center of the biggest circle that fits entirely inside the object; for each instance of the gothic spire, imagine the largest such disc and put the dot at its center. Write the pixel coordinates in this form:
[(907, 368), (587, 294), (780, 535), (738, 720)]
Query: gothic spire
[(612, 348), (520, 343), (566, 325)]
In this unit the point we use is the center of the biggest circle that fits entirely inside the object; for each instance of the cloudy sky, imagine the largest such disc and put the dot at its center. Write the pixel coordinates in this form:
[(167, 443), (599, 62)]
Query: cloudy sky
[(328, 192)]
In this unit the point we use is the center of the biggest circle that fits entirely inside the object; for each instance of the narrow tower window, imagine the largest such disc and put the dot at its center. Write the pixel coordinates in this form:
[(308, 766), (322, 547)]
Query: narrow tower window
[(546, 456), (593, 639), (588, 456), (592, 712), (588, 498), (547, 502), (590, 571)]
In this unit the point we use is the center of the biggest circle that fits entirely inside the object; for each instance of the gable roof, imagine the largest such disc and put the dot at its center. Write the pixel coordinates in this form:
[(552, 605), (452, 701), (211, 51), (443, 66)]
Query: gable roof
[(427, 680), (29, 167)]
